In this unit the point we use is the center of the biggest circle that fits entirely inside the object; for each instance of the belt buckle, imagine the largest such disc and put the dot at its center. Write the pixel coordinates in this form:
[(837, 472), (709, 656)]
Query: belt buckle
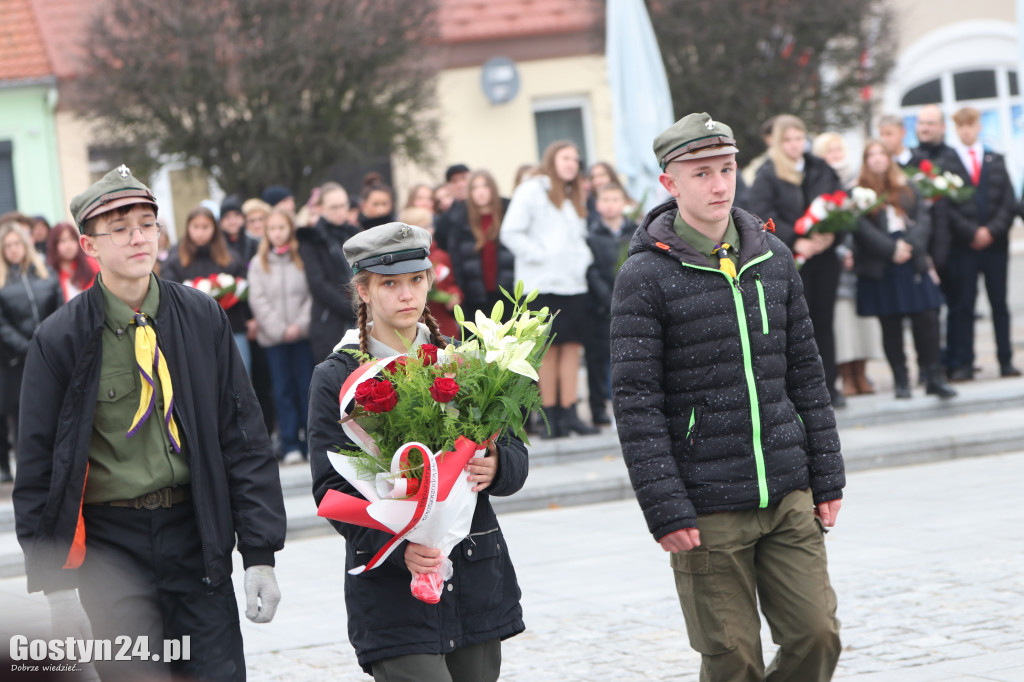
[(153, 500)]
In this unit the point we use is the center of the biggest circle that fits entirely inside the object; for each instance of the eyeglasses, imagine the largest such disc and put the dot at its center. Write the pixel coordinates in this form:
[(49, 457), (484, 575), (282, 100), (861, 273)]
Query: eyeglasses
[(122, 236)]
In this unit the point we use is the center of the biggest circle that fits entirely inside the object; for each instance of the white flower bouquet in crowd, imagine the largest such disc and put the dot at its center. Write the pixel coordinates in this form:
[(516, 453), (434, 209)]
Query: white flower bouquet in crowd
[(224, 288)]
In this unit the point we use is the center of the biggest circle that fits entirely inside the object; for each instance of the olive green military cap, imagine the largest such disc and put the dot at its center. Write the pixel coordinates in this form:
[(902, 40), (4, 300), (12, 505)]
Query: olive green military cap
[(391, 249), (695, 136), (115, 189)]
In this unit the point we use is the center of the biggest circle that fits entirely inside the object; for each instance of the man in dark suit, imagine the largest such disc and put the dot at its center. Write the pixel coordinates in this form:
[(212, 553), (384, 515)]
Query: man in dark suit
[(979, 244)]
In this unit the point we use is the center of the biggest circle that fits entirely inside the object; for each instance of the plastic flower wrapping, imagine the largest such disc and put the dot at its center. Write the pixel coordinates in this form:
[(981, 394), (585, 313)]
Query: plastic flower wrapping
[(836, 212), (418, 418), (224, 288), (932, 183)]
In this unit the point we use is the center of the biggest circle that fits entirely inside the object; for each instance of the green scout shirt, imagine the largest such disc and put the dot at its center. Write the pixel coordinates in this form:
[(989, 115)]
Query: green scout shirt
[(121, 468), (705, 244)]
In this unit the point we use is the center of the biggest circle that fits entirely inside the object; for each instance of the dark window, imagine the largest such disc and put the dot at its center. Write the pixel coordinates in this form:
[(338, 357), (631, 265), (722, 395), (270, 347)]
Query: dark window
[(1013, 83), (974, 84), (8, 200), (560, 124), (926, 93)]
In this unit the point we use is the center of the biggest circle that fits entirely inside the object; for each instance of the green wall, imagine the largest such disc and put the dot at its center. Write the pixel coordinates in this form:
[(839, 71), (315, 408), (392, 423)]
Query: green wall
[(27, 120)]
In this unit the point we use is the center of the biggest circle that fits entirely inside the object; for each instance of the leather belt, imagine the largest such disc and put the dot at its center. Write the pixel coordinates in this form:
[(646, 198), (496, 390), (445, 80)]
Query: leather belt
[(165, 497)]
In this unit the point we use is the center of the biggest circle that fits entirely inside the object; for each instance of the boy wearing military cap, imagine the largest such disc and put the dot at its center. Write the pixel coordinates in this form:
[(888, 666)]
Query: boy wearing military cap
[(724, 417), (142, 456)]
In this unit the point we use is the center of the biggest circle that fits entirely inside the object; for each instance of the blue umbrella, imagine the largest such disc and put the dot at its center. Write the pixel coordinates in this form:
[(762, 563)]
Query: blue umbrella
[(641, 102)]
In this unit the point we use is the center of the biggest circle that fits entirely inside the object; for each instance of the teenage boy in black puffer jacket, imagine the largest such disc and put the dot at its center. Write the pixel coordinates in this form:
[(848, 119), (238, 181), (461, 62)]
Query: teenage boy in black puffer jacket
[(724, 417)]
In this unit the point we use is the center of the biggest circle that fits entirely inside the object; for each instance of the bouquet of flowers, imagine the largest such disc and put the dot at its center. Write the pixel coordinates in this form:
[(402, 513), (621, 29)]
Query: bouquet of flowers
[(224, 288), (419, 418), (933, 183), (836, 212)]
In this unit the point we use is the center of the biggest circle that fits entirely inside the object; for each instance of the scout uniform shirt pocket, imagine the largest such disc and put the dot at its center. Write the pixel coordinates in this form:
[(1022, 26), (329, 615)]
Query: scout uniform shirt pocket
[(110, 410)]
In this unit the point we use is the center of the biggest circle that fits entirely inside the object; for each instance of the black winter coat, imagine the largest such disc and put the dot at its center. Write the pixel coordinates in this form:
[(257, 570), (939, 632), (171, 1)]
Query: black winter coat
[(718, 388), (25, 301), (459, 243), (873, 245), (608, 250), (328, 275), (236, 489), (203, 265), (480, 602), (784, 203)]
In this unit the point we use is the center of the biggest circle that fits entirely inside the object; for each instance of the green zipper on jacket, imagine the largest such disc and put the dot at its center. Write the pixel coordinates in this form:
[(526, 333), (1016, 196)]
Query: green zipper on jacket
[(760, 303), (748, 369)]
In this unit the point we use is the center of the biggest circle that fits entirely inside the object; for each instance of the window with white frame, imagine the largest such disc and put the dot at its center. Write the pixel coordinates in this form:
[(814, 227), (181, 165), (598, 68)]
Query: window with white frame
[(564, 118)]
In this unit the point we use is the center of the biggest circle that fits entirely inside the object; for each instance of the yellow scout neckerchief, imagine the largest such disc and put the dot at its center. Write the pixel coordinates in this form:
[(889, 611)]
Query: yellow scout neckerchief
[(148, 357)]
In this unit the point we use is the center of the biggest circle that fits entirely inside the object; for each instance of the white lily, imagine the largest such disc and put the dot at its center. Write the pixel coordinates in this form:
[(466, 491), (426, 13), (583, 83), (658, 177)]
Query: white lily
[(514, 355)]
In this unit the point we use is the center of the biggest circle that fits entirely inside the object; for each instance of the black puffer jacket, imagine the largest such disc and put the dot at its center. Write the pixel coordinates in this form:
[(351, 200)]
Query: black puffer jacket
[(25, 301), (466, 263), (874, 244), (328, 275), (236, 489), (480, 602), (783, 202), (718, 388)]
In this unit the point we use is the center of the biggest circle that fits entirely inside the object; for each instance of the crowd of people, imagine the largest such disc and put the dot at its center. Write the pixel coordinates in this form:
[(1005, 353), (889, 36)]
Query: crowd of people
[(722, 332), (565, 230)]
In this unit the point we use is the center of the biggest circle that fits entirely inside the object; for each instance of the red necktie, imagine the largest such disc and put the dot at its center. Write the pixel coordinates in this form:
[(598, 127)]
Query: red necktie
[(975, 167)]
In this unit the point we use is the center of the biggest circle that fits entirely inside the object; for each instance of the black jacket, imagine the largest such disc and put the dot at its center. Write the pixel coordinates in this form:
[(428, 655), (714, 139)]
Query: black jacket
[(608, 249), (459, 242), (714, 381), (874, 244), (481, 602), (203, 265), (328, 275), (25, 301), (244, 247), (784, 203), (236, 489), (995, 192)]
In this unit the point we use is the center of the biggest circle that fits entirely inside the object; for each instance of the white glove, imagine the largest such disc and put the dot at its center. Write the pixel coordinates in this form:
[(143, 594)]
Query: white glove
[(261, 594), (67, 617)]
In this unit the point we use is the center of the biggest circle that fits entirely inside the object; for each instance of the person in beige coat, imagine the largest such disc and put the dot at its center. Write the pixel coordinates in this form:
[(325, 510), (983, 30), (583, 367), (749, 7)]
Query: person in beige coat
[(281, 302)]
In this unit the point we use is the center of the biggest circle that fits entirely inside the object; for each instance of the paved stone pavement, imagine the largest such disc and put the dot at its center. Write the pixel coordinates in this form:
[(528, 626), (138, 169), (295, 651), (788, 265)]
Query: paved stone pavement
[(926, 561)]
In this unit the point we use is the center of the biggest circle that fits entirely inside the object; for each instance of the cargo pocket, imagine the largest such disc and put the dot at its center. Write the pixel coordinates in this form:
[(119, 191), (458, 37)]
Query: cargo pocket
[(702, 602), (482, 581)]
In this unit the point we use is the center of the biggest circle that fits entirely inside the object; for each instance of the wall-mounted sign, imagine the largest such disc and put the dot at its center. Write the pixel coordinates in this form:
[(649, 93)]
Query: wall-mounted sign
[(499, 80)]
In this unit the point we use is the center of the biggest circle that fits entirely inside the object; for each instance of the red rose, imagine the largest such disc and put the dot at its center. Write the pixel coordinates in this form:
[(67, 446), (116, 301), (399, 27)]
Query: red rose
[(393, 366), (379, 397), (444, 389), (428, 354), (364, 391), (926, 167)]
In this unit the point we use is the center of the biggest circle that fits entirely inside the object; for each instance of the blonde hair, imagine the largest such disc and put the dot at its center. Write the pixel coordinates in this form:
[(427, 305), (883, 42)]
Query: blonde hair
[(263, 251), (785, 167), (255, 206), (363, 313), (821, 143), (417, 216), (30, 261)]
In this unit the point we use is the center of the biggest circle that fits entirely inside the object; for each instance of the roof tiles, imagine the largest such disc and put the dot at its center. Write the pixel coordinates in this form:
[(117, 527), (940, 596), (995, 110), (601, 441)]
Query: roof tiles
[(22, 53), (477, 20)]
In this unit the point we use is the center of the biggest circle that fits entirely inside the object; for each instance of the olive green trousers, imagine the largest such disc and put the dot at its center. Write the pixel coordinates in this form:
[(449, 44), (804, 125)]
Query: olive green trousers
[(775, 555), (477, 663)]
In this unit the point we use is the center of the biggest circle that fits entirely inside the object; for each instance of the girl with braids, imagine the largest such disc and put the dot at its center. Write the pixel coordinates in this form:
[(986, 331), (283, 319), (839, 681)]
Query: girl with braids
[(396, 636)]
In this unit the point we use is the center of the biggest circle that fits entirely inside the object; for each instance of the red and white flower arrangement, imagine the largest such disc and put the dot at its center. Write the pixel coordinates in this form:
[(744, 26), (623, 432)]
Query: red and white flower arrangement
[(224, 288)]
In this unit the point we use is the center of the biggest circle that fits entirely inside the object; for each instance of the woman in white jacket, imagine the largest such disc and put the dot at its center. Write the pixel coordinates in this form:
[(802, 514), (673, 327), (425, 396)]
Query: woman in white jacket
[(281, 303), (545, 228)]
